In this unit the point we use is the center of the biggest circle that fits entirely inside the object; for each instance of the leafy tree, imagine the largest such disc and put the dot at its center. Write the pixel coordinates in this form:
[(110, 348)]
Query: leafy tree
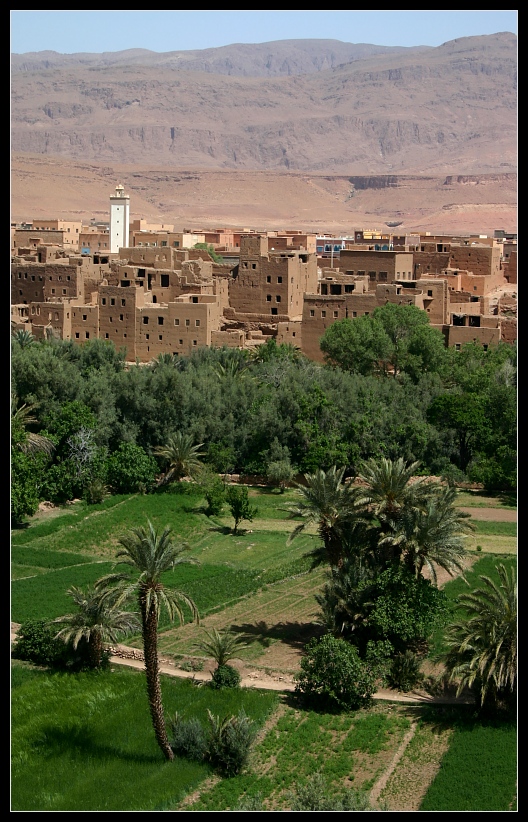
[(482, 647), (25, 490), (333, 674), (280, 473), (180, 455), (391, 606), (129, 469), (465, 415), (358, 346), (96, 621), (237, 498), (152, 554)]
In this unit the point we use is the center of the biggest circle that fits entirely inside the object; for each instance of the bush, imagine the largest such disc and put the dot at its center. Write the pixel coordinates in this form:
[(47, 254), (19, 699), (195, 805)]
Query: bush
[(213, 491), (316, 795), (36, 643), (130, 469), (237, 497), (188, 738), (404, 673), (333, 674), (94, 491), (225, 676), (230, 742)]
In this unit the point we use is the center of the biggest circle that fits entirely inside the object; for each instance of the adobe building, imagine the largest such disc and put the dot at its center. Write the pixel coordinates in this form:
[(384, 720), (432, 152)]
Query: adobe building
[(119, 219), (270, 284), (378, 266)]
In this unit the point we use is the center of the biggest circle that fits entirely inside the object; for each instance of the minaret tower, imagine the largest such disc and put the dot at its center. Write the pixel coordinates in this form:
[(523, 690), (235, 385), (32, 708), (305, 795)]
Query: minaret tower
[(119, 220)]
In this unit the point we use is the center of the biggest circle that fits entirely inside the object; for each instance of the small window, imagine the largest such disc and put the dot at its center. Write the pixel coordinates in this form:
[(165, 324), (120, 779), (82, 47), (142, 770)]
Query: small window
[(85, 316), (268, 279), (87, 335), (107, 335), (112, 301), (253, 266), (277, 298), (111, 319), (160, 320), (323, 314), (77, 335), (457, 346), (336, 314), (181, 342), (187, 322), (52, 291), (64, 291), (123, 302), (429, 293), (312, 312), (147, 336), (354, 313), (161, 336), (164, 280), (103, 300), (274, 311), (145, 320), (195, 299), (121, 317), (268, 298), (279, 279), (195, 342), (197, 323), (176, 322)]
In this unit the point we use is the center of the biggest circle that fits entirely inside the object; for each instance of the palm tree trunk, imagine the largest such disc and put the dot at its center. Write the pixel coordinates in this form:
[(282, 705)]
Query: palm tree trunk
[(150, 650)]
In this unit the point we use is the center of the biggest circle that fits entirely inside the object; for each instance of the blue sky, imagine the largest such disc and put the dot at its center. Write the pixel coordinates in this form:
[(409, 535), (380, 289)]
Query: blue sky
[(97, 31)]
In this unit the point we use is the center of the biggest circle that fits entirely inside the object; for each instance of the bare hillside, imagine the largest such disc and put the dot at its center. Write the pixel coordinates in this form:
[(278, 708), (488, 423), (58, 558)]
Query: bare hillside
[(325, 108)]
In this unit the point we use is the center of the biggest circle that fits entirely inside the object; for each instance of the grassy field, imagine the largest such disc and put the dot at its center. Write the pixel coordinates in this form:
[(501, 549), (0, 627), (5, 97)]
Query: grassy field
[(85, 742)]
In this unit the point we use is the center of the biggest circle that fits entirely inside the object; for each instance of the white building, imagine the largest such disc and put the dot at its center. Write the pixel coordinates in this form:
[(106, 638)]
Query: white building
[(119, 220)]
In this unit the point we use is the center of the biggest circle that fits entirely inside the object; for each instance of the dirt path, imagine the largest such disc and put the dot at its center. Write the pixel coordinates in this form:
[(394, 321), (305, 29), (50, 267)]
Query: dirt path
[(492, 514)]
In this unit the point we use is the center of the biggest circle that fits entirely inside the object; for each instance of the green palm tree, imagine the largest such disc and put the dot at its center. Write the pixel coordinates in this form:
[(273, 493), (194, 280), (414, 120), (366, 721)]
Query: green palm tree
[(180, 455), (96, 620), (24, 338), (432, 535), (152, 554), (222, 646), (388, 490), (27, 441), (482, 649), (331, 504)]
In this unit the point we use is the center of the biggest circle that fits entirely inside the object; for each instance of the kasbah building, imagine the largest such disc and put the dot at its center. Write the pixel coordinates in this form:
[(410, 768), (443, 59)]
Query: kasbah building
[(149, 291)]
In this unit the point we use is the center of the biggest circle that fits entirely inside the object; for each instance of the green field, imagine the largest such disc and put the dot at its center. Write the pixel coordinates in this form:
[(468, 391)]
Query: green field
[(85, 741)]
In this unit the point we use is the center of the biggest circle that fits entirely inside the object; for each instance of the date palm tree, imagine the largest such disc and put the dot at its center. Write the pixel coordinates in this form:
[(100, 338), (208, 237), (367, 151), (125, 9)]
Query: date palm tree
[(222, 646), (180, 455), (482, 649), (96, 621), (151, 553), (331, 504), (432, 534), (26, 441)]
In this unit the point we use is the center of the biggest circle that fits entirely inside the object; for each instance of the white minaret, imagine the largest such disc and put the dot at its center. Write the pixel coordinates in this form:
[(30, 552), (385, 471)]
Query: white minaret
[(119, 220)]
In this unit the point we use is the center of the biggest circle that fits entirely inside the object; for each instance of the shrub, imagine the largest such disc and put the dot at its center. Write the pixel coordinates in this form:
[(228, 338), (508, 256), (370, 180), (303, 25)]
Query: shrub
[(36, 643), (213, 491), (225, 676), (404, 673), (188, 738), (237, 497), (332, 673), (230, 742), (94, 491), (130, 469), (316, 795)]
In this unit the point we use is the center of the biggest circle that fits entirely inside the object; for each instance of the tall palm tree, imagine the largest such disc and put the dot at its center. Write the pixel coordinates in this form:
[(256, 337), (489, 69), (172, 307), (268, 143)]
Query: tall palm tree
[(432, 535), (27, 441), (180, 455), (151, 553), (327, 501), (96, 620), (482, 650)]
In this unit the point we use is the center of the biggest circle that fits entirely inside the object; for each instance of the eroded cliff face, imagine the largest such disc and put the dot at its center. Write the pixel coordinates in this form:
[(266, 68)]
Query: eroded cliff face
[(479, 179), (375, 115)]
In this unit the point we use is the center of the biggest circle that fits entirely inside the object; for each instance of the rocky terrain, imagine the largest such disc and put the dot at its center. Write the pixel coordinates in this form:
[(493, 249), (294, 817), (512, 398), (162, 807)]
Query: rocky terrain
[(320, 135)]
